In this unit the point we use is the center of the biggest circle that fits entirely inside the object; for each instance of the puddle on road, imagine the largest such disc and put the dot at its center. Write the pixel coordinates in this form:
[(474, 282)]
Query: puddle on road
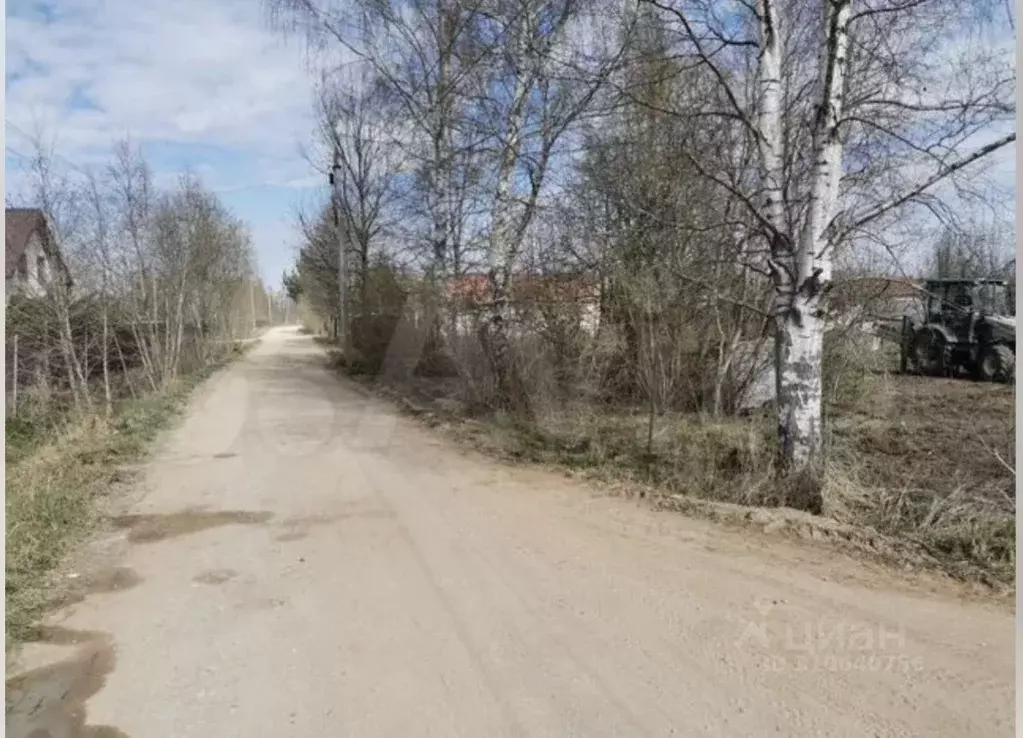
[(215, 576), (49, 702), (260, 603), (153, 528), (104, 581), (299, 527)]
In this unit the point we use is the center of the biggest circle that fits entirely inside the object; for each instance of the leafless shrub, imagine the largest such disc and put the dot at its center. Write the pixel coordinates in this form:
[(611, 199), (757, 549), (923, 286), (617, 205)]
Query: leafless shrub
[(145, 286)]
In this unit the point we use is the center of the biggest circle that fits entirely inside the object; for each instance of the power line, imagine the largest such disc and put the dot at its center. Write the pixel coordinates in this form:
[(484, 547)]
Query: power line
[(52, 154)]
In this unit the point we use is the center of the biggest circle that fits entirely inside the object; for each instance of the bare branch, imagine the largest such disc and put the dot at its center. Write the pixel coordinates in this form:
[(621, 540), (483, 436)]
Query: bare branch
[(934, 179)]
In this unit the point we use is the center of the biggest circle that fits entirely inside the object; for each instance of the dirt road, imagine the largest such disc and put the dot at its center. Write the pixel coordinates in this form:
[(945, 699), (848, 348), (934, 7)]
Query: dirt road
[(302, 562)]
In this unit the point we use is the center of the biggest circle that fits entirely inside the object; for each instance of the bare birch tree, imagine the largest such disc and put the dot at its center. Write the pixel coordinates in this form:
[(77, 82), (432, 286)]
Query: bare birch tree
[(827, 94), (130, 181), (101, 249), (419, 55), (135, 283), (358, 137), (537, 79), (54, 193)]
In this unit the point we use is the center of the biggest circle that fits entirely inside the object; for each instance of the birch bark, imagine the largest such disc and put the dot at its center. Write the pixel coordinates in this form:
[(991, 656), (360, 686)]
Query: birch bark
[(802, 265)]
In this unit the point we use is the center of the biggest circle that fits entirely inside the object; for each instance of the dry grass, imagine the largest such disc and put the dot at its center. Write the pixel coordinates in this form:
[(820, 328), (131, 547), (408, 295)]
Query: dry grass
[(932, 460), (56, 470)]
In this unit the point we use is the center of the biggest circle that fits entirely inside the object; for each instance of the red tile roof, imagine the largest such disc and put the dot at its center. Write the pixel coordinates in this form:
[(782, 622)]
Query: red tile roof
[(475, 288)]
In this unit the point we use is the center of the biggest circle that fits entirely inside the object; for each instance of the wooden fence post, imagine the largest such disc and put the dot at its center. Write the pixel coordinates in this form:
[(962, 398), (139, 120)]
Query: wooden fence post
[(14, 380)]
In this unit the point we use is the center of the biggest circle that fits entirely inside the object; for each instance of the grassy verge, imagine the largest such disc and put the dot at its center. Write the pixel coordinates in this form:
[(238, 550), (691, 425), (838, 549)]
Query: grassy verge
[(55, 474)]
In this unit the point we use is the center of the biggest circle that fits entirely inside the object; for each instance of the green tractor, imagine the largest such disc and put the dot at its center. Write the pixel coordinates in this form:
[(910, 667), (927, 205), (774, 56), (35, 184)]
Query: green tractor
[(968, 324)]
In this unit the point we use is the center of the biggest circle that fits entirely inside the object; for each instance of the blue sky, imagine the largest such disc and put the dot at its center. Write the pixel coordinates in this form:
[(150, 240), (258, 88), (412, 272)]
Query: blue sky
[(200, 84)]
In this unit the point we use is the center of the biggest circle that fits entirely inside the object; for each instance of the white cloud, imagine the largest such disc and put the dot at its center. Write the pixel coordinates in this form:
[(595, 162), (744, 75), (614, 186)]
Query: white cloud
[(172, 71), (202, 82)]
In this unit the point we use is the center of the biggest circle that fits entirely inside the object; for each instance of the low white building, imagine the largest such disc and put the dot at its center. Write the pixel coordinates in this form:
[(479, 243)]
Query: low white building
[(530, 296)]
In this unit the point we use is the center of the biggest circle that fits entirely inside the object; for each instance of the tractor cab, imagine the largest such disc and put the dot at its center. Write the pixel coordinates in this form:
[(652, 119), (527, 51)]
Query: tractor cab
[(985, 296), (969, 324)]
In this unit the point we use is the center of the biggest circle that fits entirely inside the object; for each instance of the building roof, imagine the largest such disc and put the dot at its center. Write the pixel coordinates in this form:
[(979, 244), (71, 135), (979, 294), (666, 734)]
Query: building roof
[(966, 280), (554, 288), (883, 288), (19, 225)]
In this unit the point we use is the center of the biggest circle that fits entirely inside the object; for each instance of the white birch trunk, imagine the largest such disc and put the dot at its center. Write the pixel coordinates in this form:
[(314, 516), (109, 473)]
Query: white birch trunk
[(76, 377), (124, 368), (14, 380), (179, 317), (108, 397), (141, 346), (502, 252), (803, 269), (770, 122), (781, 258)]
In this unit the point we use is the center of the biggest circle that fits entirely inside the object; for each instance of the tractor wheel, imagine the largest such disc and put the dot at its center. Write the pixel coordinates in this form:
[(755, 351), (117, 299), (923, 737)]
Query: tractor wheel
[(930, 353), (997, 364)]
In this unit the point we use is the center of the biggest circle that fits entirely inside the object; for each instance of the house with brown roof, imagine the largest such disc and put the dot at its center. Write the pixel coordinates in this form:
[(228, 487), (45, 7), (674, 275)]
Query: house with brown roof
[(471, 293), (32, 260), (876, 298)]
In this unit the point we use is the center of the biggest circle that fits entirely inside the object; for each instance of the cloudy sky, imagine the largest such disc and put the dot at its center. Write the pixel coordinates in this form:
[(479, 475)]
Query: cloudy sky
[(197, 83), (200, 84)]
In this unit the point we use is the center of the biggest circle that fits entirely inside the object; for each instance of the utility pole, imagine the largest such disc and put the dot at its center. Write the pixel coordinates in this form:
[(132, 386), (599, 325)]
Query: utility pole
[(252, 302), (335, 182)]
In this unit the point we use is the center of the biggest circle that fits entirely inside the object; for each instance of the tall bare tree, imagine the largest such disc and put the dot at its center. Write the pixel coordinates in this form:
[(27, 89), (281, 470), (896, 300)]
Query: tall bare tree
[(55, 194), (359, 139), (536, 80), (419, 55), (835, 97)]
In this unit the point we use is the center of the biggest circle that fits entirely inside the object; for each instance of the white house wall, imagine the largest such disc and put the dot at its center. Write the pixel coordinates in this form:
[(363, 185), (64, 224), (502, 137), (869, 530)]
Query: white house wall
[(31, 284), (467, 322)]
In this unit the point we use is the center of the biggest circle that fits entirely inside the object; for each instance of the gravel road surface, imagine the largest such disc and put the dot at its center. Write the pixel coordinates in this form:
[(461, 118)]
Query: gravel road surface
[(299, 561)]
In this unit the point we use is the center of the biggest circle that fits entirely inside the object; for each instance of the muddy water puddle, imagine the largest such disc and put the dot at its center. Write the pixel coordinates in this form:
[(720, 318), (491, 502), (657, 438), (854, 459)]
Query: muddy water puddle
[(215, 576), (294, 529), (49, 702), (159, 527), (103, 581)]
